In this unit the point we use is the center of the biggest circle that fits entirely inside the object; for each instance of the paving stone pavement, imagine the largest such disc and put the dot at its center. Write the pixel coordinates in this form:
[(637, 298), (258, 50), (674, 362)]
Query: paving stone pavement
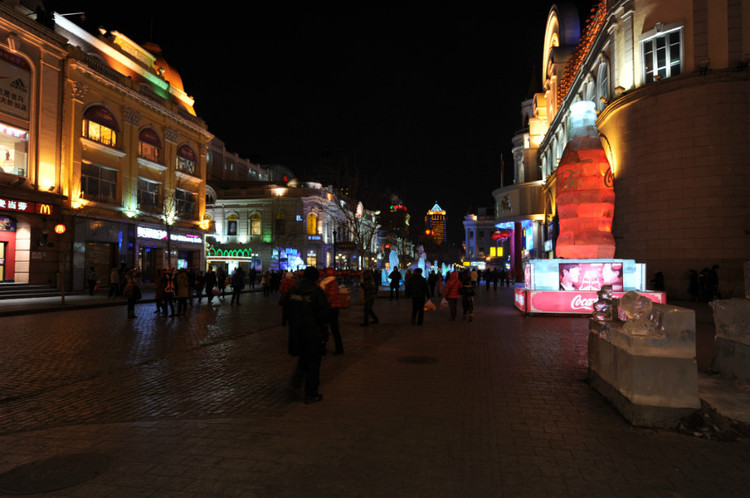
[(199, 406)]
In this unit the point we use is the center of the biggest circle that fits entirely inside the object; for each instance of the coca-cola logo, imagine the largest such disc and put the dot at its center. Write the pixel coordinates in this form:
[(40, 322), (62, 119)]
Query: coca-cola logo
[(582, 303)]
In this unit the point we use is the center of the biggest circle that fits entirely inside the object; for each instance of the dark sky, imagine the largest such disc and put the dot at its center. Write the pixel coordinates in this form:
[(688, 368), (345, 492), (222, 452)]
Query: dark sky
[(423, 98)]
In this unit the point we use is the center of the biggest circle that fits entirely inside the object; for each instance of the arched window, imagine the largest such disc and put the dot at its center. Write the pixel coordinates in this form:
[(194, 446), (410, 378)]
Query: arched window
[(602, 85), (149, 145), (280, 224), (187, 161), (255, 224), (100, 126), (232, 221), (590, 88), (312, 224)]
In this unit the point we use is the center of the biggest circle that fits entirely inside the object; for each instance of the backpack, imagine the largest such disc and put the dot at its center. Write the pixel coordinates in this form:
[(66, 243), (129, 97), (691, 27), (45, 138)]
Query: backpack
[(169, 284)]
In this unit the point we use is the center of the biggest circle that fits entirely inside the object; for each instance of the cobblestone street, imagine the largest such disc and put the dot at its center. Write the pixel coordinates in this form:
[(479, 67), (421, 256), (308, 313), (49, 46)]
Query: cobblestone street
[(198, 405)]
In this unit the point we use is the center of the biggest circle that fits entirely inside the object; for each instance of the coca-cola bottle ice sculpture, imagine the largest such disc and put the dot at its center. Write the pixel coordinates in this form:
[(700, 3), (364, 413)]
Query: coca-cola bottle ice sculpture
[(585, 193)]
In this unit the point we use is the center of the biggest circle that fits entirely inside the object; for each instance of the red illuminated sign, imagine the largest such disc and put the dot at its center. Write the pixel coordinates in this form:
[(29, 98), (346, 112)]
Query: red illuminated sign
[(575, 302), (25, 206)]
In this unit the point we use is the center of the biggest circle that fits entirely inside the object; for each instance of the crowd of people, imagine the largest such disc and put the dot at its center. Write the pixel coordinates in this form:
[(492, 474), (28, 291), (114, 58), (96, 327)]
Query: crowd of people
[(310, 302)]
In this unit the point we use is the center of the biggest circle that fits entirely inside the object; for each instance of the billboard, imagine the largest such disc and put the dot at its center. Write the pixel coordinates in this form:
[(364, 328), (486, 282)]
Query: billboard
[(591, 276)]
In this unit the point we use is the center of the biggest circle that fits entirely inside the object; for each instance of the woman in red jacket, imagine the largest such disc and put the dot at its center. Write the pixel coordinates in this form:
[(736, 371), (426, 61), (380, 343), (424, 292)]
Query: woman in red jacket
[(451, 292)]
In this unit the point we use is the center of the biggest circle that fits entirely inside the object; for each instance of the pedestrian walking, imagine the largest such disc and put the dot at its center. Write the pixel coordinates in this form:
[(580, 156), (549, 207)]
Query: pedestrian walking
[(395, 278), (419, 292), (238, 282), (308, 312), (432, 281), (221, 281), (265, 283), (114, 282), (182, 290), (159, 292), (370, 288), (331, 289), (451, 292), (210, 284), (200, 284), (132, 290), (92, 279), (169, 292)]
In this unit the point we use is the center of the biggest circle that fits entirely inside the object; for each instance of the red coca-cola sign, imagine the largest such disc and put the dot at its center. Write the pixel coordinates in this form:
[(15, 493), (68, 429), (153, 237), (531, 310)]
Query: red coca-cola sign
[(574, 302)]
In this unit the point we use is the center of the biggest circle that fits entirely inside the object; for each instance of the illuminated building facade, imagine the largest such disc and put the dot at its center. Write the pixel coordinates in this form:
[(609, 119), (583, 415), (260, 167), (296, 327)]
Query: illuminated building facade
[(670, 84), (479, 244), (31, 61), (269, 226), (436, 223), (132, 158)]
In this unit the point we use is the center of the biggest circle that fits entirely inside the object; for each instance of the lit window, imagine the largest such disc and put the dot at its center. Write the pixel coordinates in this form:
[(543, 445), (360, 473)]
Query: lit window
[(255, 224), (100, 126), (98, 184), (312, 224), (149, 145), (148, 196), (185, 203), (662, 54), (14, 144), (186, 160)]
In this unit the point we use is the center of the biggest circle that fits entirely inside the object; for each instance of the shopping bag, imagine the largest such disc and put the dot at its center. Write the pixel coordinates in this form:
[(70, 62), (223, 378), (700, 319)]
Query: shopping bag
[(429, 306)]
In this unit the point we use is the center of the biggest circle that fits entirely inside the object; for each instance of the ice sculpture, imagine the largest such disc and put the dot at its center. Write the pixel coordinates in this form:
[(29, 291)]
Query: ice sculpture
[(584, 194), (637, 309), (604, 307)]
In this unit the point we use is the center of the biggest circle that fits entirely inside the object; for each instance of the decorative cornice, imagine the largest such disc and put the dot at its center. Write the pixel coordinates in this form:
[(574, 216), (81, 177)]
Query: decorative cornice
[(131, 116), (79, 91), (171, 134), (141, 100)]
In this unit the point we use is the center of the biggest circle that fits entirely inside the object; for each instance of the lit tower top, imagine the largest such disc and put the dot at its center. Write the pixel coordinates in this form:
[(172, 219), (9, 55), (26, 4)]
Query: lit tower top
[(435, 223)]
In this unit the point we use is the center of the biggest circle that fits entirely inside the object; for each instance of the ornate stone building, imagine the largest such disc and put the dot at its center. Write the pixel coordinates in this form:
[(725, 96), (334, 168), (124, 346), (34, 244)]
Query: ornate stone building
[(132, 158), (31, 66), (671, 85)]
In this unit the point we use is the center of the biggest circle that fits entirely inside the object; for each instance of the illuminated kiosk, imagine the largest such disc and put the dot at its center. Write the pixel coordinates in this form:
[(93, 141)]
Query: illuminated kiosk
[(585, 201), (569, 286)]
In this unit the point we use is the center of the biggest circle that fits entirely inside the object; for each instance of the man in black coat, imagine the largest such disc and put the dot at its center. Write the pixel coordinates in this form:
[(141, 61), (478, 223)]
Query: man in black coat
[(307, 312), (419, 292), (395, 277)]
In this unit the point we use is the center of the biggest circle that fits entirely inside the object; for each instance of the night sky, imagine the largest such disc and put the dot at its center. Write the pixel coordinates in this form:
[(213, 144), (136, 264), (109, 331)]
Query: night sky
[(422, 98)]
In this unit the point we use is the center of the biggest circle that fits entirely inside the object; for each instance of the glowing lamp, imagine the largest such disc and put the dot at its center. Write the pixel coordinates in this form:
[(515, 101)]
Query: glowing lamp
[(59, 229), (585, 194)]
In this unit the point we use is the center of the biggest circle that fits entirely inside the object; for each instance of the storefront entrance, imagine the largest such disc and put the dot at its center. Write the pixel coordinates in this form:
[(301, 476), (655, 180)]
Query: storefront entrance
[(101, 256), (148, 258), (2, 261)]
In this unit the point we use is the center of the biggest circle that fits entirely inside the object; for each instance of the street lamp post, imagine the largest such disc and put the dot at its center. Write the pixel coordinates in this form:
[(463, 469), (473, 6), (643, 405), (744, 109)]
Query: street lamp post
[(334, 249)]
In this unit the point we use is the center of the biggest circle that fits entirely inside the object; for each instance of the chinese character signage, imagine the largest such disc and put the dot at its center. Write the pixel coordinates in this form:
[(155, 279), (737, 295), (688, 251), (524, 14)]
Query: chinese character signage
[(24, 206)]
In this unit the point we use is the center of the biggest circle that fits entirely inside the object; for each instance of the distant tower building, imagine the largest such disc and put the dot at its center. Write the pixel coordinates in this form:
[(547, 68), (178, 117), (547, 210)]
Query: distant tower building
[(435, 222)]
